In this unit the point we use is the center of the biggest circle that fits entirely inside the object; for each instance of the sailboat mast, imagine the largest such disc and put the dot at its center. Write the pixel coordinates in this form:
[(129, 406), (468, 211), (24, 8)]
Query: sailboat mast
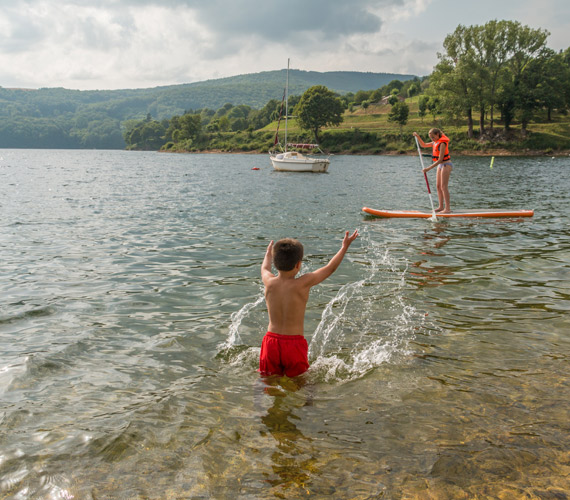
[(286, 102)]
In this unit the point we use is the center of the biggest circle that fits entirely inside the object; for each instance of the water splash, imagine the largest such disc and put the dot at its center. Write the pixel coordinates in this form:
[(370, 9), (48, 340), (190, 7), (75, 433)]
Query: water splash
[(333, 315), (236, 321), (367, 322)]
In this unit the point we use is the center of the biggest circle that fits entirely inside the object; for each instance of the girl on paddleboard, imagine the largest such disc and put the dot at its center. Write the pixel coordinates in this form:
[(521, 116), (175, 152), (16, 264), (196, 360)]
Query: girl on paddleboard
[(441, 159)]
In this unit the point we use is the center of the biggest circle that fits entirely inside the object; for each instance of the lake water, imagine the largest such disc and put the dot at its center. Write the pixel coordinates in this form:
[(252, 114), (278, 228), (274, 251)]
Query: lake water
[(132, 313)]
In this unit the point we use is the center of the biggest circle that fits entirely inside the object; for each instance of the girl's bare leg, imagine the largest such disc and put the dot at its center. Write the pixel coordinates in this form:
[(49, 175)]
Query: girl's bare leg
[(443, 175), (439, 191)]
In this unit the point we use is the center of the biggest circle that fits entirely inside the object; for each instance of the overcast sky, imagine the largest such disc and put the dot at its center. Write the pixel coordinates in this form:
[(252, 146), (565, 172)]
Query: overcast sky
[(117, 44)]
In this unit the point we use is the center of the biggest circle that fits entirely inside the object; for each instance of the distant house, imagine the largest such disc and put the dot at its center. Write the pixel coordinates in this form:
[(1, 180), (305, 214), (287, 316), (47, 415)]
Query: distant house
[(385, 99)]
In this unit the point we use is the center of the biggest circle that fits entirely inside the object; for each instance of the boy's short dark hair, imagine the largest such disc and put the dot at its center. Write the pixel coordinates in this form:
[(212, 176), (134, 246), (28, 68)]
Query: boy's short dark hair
[(286, 253)]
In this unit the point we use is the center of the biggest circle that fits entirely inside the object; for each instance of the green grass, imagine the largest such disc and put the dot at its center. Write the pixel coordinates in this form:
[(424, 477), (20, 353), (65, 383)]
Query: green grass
[(368, 131)]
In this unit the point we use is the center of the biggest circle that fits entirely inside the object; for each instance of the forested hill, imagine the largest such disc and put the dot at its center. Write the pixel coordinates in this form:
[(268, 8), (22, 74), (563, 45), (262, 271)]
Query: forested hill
[(256, 89), (62, 118), (253, 89)]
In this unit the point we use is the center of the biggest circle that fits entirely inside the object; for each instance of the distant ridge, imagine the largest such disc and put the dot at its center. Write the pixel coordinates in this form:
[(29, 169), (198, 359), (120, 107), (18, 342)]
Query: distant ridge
[(255, 89), (339, 81)]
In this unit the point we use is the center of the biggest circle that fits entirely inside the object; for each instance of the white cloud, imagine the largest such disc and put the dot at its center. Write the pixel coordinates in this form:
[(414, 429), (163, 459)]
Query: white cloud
[(143, 43)]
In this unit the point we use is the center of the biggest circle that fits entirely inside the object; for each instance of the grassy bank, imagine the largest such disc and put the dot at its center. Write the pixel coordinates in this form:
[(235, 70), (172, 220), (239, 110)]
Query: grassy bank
[(368, 131)]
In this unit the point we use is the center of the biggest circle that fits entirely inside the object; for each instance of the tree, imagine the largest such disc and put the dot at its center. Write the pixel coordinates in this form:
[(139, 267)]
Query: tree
[(376, 95), (172, 130), (399, 114), (394, 84), (495, 49), (393, 99), (434, 106), (362, 95), (190, 126), (238, 124), (482, 67), (264, 116), (224, 124), (451, 80), (523, 44), (147, 135), (422, 106), (414, 89), (319, 107), (224, 110)]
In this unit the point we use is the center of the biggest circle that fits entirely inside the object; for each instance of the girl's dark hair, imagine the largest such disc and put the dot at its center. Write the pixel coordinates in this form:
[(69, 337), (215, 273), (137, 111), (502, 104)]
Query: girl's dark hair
[(286, 253)]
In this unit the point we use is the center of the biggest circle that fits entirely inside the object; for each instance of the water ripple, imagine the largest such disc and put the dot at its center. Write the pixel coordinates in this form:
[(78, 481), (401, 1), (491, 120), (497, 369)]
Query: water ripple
[(133, 312)]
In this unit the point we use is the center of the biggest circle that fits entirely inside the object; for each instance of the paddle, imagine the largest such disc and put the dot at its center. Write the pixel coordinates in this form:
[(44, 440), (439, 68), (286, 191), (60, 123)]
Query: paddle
[(433, 217)]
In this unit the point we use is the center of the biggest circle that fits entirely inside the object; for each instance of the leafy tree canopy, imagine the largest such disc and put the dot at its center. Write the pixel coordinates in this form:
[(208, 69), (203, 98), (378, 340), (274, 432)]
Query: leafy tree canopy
[(319, 107)]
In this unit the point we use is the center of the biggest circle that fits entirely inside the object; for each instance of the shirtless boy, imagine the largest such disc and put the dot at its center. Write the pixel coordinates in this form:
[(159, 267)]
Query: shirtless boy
[(284, 348)]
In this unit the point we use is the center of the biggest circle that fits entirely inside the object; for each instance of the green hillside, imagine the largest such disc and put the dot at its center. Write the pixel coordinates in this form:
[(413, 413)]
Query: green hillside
[(63, 118), (369, 131), (256, 89)]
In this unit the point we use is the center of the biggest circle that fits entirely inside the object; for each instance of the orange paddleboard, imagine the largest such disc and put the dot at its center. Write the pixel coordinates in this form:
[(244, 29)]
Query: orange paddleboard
[(416, 214)]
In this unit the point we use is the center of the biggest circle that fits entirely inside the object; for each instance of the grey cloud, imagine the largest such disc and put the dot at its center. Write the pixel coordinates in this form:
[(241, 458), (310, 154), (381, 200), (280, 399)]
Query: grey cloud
[(264, 18), (328, 18), (297, 23)]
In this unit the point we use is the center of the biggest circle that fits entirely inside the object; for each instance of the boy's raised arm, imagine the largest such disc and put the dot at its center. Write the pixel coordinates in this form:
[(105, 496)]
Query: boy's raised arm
[(266, 265), (324, 272)]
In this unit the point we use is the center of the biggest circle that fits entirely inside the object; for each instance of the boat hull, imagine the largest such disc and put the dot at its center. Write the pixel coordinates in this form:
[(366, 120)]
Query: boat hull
[(302, 164)]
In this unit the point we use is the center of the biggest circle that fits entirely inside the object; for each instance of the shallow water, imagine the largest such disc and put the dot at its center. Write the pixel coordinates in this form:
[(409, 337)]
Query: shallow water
[(132, 313)]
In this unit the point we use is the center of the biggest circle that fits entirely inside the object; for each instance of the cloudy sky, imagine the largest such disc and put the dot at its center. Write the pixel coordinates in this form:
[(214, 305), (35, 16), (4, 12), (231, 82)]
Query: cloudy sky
[(115, 44)]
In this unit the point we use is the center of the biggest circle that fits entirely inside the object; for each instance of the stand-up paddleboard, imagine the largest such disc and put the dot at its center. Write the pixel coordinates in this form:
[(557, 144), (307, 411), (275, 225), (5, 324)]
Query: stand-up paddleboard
[(416, 214)]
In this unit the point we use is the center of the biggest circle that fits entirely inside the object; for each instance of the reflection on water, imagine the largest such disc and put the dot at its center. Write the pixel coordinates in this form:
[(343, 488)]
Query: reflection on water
[(291, 463), (133, 312)]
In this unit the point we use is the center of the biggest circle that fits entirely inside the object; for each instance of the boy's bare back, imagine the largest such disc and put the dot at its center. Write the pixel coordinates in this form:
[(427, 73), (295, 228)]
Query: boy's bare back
[(286, 296)]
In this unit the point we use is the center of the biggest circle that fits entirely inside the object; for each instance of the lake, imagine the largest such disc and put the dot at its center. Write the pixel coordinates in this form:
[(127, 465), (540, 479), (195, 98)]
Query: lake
[(132, 314)]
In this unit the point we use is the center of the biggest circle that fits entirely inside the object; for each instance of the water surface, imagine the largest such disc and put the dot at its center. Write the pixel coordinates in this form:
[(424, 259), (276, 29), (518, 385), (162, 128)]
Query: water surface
[(132, 314)]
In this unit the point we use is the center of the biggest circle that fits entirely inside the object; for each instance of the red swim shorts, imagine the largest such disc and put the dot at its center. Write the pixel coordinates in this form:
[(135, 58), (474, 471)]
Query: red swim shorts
[(283, 355)]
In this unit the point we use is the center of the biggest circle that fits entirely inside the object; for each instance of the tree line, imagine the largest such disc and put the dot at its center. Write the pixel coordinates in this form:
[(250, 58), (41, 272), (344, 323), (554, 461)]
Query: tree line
[(501, 67)]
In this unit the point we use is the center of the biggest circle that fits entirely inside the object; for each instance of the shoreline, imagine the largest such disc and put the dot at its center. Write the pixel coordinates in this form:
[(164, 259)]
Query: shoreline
[(489, 152)]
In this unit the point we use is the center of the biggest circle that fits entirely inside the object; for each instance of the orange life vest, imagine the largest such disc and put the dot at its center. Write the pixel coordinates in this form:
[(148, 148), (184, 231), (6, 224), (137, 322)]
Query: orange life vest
[(435, 148)]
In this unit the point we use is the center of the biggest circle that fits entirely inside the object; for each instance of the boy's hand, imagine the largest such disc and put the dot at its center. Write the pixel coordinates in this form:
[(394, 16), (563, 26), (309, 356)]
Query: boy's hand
[(266, 264), (347, 240), (269, 252)]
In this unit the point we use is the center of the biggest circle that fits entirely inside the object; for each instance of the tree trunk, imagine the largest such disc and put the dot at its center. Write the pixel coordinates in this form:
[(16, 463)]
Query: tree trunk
[(482, 121), (470, 123)]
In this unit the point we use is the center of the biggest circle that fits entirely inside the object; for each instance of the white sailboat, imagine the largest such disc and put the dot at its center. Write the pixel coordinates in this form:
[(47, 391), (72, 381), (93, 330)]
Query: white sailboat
[(295, 161)]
